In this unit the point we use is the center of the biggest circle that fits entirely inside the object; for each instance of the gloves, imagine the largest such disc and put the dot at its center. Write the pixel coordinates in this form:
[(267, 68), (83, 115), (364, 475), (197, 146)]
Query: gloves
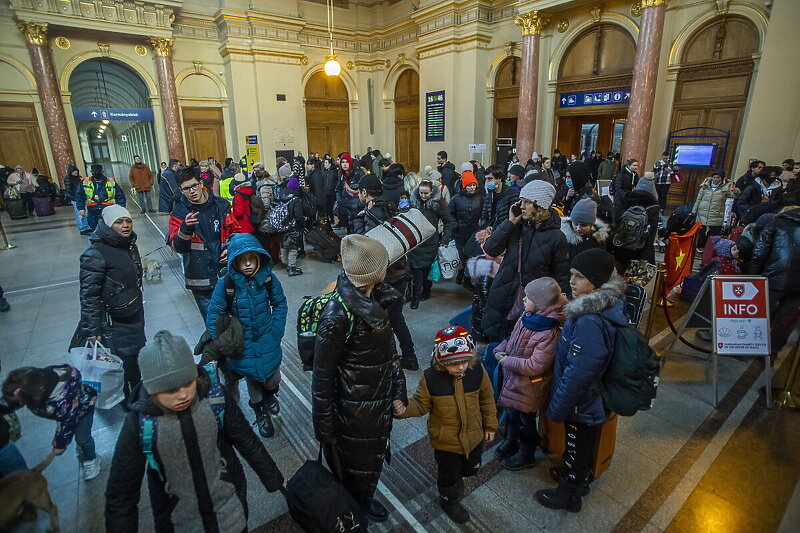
[(500, 356), (186, 229)]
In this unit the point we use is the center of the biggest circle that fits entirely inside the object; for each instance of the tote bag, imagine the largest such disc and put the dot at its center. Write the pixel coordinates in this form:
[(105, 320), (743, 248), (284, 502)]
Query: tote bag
[(101, 370), (402, 233)]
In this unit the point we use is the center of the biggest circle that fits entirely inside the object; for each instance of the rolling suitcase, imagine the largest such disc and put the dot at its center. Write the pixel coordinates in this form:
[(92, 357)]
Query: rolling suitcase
[(43, 207), (16, 208), (325, 242), (553, 440)]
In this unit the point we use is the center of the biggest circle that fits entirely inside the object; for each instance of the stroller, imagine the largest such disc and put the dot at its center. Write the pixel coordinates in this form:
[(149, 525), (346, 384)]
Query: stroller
[(680, 222)]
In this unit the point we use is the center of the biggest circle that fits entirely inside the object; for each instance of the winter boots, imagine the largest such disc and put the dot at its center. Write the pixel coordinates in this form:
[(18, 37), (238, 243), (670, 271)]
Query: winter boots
[(524, 458), (509, 445), (263, 419), (449, 499), (565, 496), (558, 474), (376, 511)]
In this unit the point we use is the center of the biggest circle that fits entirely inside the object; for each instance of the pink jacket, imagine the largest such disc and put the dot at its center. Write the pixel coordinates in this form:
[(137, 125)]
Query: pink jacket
[(528, 366)]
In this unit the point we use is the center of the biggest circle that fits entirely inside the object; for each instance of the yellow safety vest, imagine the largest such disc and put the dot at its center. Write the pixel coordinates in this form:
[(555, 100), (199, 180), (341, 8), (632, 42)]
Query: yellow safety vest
[(92, 199), (225, 189)]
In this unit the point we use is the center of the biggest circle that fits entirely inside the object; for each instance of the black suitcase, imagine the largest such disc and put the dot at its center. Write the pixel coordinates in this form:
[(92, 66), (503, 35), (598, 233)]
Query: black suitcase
[(325, 242), (16, 208)]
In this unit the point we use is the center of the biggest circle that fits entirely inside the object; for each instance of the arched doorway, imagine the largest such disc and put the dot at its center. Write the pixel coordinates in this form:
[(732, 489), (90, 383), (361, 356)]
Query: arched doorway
[(600, 62), (713, 85), (327, 114), (406, 119), (113, 116), (506, 107)]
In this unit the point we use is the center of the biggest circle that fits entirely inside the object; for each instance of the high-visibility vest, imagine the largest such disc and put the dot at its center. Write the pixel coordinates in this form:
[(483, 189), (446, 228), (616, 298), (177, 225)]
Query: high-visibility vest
[(225, 189), (111, 191)]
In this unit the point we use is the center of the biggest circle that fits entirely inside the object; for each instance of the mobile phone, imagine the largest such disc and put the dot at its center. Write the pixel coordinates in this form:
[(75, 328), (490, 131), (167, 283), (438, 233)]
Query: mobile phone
[(516, 210)]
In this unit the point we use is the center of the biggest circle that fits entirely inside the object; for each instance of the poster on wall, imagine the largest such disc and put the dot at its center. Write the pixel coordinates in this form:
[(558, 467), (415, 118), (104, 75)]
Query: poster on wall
[(434, 116)]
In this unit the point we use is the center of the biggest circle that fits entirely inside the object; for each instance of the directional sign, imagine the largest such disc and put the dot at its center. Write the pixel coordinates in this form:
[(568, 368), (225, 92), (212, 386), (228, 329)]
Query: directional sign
[(741, 315), (590, 98), (103, 113)]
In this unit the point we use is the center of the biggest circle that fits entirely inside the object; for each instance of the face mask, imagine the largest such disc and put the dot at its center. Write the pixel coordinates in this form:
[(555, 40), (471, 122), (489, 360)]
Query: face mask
[(491, 185), (569, 182)]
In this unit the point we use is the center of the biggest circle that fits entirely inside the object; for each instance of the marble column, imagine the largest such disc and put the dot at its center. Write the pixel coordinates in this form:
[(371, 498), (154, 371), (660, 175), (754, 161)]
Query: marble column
[(531, 24), (645, 75), (162, 49), (49, 95)]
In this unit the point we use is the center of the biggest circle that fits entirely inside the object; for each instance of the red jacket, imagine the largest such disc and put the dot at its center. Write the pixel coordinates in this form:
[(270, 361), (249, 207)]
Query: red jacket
[(241, 208)]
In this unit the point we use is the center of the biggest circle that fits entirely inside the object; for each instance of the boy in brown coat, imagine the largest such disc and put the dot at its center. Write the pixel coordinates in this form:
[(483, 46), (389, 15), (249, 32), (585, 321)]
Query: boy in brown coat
[(457, 393)]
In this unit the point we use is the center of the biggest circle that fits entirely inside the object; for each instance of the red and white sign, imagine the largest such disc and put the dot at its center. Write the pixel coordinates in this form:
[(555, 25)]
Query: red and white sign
[(741, 315)]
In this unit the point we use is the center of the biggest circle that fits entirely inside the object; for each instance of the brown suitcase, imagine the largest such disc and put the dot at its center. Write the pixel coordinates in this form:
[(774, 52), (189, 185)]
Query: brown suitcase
[(553, 440)]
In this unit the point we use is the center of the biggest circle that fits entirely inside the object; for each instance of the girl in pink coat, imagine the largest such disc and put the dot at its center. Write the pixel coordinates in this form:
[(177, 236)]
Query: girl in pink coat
[(527, 361)]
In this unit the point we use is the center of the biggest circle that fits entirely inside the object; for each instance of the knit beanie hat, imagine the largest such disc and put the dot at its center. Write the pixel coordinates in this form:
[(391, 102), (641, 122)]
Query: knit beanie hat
[(579, 174), (433, 174), (113, 213), (349, 160), (239, 177), (293, 184), (97, 169), (468, 178), (516, 170), (542, 292), (370, 182), (364, 259), (585, 212), (540, 192), (647, 185), (452, 345), (722, 247), (166, 363), (596, 265), (466, 166)]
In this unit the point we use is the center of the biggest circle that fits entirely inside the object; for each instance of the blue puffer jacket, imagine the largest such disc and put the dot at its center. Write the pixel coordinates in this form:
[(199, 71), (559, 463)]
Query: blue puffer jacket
[(583, 352), (261, 307)]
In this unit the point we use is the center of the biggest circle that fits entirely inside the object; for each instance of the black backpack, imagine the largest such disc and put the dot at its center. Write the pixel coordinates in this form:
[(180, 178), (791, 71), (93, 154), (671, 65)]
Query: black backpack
[(630, 381), (632, 230)]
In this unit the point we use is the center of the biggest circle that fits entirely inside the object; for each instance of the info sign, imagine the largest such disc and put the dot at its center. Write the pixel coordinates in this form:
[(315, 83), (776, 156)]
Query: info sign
[(741, 315), (434, 116)]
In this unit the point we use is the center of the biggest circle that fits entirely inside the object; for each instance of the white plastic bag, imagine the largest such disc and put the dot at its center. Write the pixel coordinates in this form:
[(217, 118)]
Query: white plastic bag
[(449, 262), (101, 370)]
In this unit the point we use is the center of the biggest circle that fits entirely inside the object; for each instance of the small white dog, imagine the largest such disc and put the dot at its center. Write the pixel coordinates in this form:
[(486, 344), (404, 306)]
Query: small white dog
[(151, 269)]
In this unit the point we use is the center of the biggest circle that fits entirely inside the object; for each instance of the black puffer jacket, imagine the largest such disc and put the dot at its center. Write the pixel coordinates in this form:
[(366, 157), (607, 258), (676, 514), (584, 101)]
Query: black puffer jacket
[(394, 188), (373, 216), (111, 291), (466, 210), (777, 254), (496, 206), (449, 177), (435, 211), (71, 183), (545, 252), (316, 180), (354, 383), (623, 183), (204, 465)]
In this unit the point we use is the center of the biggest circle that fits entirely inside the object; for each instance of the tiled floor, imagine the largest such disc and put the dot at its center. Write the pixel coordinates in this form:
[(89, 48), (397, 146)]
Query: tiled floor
[(681, 467)]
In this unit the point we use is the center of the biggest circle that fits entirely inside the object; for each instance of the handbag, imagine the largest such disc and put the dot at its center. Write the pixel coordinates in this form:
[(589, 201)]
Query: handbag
[(102, 371), (519, 307), (402, 233), (449, 261), (319, 502)]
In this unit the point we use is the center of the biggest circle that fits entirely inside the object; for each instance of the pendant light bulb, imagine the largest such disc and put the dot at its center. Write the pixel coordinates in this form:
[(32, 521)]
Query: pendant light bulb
[(332, 67)]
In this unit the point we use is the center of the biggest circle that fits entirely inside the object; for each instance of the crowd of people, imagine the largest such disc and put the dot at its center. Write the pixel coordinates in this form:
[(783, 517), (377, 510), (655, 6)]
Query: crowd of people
[(543, 253)]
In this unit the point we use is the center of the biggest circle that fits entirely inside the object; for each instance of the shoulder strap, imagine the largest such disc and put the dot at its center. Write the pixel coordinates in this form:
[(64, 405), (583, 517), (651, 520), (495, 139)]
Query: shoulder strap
[(230, 294), (148, 425), (216, 394), (350, 317)]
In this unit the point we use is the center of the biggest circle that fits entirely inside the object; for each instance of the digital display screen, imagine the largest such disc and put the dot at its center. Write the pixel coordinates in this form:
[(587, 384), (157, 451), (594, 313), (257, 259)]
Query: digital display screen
[(697, 155)]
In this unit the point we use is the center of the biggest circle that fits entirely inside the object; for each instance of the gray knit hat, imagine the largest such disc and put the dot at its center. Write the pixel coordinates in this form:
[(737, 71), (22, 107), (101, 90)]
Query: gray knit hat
[(543, 292), (364, 259), (647, 185), (539, 191), (585, 211), (166, 363)]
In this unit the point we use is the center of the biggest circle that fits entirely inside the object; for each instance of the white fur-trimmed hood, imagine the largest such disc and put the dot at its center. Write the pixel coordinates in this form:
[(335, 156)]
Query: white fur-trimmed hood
[(598, 301), (600, 233)]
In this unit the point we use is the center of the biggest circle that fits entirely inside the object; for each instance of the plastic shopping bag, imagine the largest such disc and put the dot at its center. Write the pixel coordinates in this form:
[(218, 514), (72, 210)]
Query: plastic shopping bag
[(449, 262), (101, 370)]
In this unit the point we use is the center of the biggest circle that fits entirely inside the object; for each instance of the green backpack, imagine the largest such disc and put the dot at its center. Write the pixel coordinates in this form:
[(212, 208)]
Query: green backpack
[(630, 381), (308, 320)]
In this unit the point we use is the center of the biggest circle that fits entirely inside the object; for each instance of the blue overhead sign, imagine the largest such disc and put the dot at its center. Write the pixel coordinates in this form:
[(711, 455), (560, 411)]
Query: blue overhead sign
[(102, 113), (585, 99)]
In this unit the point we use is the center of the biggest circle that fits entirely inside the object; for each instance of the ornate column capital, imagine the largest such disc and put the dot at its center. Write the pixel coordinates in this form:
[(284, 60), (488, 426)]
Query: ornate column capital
[(162, 46), (653, 3), (35, 32), (532, 22)]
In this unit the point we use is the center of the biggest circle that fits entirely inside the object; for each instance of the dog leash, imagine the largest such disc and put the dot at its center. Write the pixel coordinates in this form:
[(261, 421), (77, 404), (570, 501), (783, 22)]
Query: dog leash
[(154, 251)]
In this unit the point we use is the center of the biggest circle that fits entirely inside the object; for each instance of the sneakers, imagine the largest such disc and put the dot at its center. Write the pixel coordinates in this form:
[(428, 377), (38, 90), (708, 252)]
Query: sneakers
[(294, 271), (4, 305), (91, 469)]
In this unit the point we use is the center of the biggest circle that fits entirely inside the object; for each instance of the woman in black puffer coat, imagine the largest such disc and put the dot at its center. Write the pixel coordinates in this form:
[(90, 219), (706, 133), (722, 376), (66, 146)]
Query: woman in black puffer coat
[(536, 234), (112, 305), (428, 199), (466, 208), (357, 375), (316, 181)]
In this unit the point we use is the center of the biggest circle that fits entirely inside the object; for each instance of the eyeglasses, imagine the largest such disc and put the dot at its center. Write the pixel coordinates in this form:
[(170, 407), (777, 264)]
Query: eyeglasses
[(191, 187)]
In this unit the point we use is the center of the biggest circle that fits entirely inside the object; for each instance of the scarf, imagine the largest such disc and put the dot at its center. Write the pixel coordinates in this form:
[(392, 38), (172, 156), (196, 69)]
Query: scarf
[(539, 322)]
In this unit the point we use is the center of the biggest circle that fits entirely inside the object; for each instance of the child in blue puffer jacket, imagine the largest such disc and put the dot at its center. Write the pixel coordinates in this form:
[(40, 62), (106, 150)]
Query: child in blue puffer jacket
[(260, 305)]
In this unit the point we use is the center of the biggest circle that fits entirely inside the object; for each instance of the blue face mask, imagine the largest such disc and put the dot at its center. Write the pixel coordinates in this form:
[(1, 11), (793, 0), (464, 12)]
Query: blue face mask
[(569, 182), (491, 185)]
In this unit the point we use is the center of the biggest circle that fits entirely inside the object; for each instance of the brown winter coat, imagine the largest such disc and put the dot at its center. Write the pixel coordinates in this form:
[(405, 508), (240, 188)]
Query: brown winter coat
[(461, 409), (141, 178)]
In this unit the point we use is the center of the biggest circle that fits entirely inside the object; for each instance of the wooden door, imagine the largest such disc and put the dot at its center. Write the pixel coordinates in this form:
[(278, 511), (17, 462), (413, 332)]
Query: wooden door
[(327, 115), (21, 141), (406, 120), (205, 133)]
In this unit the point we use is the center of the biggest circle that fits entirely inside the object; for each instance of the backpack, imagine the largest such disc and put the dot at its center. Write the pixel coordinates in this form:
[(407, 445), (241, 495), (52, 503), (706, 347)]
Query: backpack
[(630, 381), (308, 320), (148, 424), (632, 229), (276, 218)]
